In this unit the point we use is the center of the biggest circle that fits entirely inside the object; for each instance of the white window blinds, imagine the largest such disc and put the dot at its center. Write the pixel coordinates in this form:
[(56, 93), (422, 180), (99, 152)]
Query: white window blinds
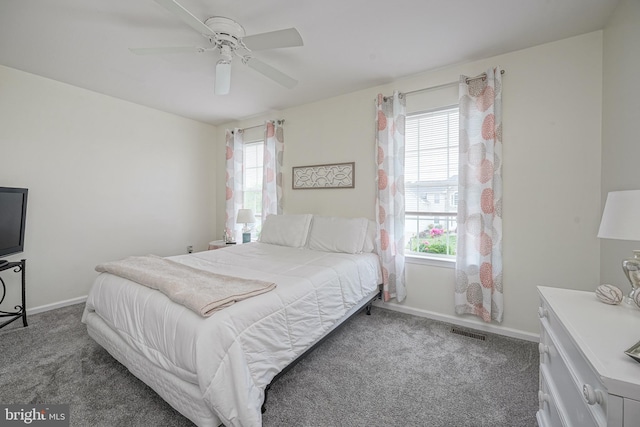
[(431, 181)]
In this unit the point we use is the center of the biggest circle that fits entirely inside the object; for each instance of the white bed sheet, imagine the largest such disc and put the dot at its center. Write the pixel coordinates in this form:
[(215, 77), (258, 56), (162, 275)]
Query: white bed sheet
[(232, 355)]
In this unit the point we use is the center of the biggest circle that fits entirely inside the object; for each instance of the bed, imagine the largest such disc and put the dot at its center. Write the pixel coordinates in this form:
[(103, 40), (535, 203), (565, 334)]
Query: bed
[(215, 369)]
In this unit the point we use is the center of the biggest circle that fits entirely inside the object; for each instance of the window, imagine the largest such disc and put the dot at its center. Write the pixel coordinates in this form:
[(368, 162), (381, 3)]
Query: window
[(454, 199), (252, 181), (431, 182)]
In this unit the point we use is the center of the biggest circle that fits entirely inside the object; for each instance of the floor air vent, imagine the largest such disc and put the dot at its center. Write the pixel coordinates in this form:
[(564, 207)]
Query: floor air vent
[(468, 334)]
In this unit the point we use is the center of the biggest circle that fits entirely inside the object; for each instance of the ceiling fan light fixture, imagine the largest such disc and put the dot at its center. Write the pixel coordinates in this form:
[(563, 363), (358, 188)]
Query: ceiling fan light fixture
[(223, 71), (223, 77)]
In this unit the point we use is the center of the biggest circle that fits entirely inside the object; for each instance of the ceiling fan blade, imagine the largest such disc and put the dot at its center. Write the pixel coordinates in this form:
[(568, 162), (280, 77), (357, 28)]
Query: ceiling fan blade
[(161, 50), (273, 40), (186, 16), (270, 72)]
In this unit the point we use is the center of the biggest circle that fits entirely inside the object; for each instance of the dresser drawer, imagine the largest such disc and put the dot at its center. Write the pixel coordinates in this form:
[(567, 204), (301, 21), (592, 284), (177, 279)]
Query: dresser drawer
[(547, 415), (581, 374), (568, 395)]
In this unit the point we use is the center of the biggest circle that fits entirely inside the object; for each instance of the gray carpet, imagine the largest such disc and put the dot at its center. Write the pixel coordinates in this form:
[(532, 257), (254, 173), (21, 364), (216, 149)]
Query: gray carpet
[(387, 369)]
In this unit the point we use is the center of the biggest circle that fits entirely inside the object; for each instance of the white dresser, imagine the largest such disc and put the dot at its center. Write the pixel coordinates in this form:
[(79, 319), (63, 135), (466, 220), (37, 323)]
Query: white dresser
[(585, 377)]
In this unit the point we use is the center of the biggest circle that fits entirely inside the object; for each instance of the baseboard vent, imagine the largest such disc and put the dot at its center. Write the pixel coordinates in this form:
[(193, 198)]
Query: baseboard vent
[(468, 334)]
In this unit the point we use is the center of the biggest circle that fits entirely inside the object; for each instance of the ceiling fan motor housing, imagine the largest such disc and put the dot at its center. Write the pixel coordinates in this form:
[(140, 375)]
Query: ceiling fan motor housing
[(227, 31)]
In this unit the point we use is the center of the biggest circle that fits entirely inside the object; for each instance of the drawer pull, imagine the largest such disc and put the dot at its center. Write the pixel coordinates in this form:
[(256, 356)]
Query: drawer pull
[(542, 397), (542, 312), (543, 349), (591, 395)]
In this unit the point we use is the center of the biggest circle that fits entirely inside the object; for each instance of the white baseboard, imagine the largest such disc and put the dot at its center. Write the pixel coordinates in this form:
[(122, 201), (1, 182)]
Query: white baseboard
[(53, 306), (509, 332)]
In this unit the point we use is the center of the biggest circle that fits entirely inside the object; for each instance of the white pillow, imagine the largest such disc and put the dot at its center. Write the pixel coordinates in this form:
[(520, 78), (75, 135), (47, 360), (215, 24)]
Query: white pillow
[(333, 234), (286, 230), (370, 238)]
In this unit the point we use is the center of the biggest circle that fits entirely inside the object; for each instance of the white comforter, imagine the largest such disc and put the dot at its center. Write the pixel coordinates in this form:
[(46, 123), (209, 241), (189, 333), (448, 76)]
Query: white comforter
[(236, 352)]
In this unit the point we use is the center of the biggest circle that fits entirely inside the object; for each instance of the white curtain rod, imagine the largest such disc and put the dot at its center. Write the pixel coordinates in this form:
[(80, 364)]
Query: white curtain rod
[(251, 127), (481, 76), (411, 92), (280, 121)]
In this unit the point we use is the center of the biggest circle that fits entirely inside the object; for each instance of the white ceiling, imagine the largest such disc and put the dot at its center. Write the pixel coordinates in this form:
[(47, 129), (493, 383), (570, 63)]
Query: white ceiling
[(348, 45)]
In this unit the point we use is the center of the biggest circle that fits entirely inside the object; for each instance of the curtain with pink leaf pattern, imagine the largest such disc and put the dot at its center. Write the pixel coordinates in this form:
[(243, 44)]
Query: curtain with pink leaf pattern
[(390, 120), (479, 245), (234, 196), (272, 168)]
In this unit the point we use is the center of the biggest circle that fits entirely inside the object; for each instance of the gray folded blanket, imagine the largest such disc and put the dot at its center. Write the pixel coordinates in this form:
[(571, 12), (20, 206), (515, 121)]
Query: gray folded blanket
[(199, 290)]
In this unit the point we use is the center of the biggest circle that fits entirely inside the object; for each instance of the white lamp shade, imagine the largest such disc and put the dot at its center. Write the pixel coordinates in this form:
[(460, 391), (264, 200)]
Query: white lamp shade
[(620, 219), (223, 77), (245, 216)]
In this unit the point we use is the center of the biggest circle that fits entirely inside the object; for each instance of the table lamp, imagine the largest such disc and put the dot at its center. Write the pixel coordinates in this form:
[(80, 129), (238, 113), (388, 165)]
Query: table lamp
[(620, 222), (246, 217)]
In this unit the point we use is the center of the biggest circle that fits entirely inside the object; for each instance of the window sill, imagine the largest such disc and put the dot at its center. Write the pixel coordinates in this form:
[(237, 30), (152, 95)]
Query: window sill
[(432, 261)]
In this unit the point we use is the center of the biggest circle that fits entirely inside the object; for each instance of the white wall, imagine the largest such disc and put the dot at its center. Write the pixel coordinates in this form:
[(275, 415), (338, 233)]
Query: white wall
[(552, 102), (309, 140), (106, 178), (552, 108), (620, 135)]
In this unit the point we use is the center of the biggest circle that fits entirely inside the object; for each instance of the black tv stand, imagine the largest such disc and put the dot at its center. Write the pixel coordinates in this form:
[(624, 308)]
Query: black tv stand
[(18, 267)]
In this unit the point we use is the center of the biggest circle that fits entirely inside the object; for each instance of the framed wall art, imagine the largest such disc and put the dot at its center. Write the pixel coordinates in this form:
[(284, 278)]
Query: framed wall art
[(335, 175)]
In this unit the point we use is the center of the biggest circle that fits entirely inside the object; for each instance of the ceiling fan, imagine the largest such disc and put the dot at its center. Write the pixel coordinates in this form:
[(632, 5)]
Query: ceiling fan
[(228, 38)]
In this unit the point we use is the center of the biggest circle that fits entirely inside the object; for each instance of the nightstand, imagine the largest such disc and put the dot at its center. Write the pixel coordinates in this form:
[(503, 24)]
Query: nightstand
[(217, 244)]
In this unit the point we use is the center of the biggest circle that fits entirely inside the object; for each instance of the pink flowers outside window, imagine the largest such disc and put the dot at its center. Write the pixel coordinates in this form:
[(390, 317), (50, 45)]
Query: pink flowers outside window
[(436, 232)]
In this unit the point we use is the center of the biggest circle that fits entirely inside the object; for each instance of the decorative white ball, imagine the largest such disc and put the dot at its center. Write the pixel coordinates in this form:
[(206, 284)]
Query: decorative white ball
[(609, 294)]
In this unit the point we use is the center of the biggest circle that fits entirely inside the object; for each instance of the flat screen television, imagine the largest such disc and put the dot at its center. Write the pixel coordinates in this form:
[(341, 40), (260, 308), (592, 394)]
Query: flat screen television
[(13, 215)]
